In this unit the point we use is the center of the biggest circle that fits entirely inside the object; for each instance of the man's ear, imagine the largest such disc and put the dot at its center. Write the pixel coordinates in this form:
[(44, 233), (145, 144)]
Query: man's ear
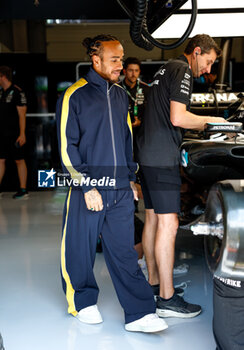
[(197, 50), (96, 60), (124, 71)]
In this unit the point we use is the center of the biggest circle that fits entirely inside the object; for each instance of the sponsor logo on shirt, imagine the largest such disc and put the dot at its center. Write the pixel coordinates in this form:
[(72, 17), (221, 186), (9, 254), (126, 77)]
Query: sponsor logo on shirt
[(23, 98), (185, 85), (140, 97), (155, 82), (186, 82), (161, 71), (184, 92), (10, 96)]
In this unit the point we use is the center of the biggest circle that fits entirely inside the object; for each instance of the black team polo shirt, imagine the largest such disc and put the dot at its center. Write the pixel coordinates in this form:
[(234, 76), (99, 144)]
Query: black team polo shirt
[(159, 141)]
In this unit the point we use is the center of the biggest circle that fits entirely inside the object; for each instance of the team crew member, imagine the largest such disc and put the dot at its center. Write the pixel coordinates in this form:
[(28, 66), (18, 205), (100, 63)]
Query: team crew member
[(95, 143), (137, 92), (136, 89), (165, 118), (13, 106)]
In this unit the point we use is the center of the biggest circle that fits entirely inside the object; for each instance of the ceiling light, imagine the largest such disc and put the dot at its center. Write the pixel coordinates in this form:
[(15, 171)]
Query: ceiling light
[(215, 4), (215, 25)]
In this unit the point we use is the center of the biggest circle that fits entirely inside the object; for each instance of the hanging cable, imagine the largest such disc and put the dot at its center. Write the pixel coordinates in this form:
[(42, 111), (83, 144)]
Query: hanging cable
[(137, 25), (139, 32)]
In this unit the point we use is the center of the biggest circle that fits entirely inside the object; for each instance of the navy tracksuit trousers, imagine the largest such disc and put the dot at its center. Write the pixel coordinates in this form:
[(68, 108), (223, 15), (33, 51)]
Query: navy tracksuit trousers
[(115, 223)]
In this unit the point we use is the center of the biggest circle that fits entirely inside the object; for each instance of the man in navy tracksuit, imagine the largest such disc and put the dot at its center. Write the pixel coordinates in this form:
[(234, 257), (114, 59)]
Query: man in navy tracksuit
[(94, 133)]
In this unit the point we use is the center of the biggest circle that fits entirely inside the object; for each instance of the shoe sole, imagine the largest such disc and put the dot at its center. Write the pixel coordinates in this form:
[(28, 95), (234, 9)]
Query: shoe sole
[(89, 321), (25, 197), (170, 313), (145, 329)]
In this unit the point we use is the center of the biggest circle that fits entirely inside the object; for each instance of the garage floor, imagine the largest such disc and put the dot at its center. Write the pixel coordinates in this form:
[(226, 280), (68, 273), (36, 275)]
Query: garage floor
[(33, 310)]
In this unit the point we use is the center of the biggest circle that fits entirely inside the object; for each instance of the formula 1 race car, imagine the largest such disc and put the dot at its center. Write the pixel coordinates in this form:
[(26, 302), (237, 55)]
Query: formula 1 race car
[(213, 194), (206, 161), (210, 156)]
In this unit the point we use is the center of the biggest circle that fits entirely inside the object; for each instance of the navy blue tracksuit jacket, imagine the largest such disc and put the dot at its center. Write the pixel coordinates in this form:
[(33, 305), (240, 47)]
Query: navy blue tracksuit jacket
[(94, 134), (94, 131)]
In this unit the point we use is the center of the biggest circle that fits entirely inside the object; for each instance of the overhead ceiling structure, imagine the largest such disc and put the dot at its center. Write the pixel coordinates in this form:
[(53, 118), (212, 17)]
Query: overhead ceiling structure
[(218, 18), (151, 13), (158, 10), (61, 9), (150, 19), (147, 15)]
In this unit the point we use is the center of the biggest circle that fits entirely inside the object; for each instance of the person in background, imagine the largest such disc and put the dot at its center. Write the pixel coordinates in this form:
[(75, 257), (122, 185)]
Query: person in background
[(165, 118), (94, 135), (137, 92), (13, 106)]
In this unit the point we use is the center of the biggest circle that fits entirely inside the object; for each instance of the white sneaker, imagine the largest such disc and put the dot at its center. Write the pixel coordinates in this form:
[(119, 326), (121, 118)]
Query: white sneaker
[(90, 315), (180, 269), (149, 324)]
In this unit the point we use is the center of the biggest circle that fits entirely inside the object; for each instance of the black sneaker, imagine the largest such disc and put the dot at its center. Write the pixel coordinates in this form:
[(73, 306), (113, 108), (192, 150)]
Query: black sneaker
[(178, 291), (176, 307), (21, 194)]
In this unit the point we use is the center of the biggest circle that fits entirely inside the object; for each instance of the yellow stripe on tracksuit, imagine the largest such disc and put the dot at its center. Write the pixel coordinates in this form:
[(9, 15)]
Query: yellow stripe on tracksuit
[(129, 124), (64, 119), (74, 174), (70, 292), (128, 116), (130, 127)]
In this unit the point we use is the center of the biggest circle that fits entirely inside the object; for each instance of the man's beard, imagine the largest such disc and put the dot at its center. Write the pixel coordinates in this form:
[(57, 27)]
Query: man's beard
[(113, 81)]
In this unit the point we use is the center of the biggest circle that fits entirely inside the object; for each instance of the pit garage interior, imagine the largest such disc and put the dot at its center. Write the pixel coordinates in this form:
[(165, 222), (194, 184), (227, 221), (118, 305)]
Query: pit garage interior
[(41, 41)]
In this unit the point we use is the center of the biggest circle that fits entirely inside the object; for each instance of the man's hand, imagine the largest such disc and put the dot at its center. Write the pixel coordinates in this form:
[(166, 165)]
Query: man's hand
[(93, 200), (217, 120), (134, 189), (136, 123), (182, 118), (21, 140)]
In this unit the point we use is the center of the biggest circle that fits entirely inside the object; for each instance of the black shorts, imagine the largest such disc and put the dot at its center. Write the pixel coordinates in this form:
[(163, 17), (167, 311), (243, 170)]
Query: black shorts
[(8, 149), (228, 315), (161, 189)]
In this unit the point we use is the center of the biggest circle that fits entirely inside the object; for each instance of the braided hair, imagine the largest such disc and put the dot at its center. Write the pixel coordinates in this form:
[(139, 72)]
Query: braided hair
[(94, 45)]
